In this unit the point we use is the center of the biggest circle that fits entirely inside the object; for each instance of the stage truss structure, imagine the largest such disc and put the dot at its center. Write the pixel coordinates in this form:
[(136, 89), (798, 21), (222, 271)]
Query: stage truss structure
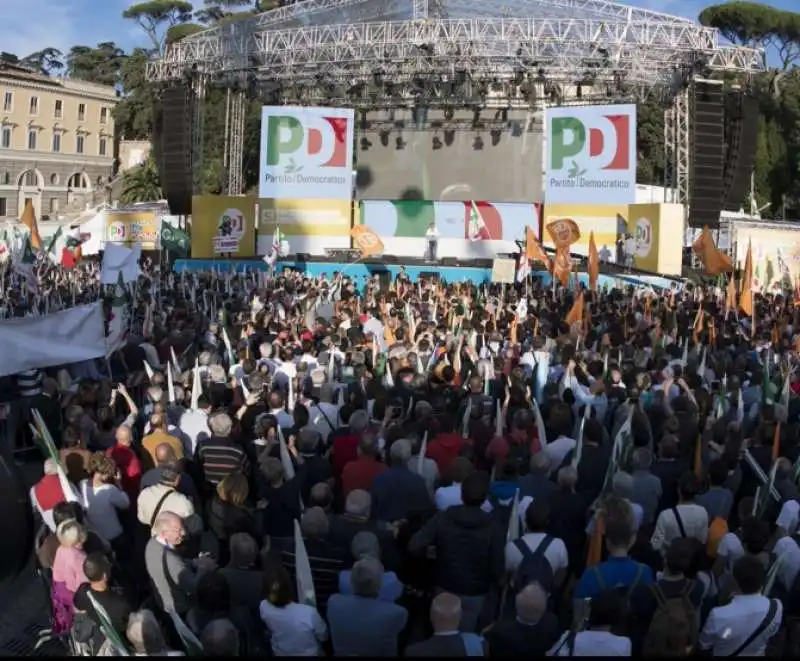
[(382, 54)]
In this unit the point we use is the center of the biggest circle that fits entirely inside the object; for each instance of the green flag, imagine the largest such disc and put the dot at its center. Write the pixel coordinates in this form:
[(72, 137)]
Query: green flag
[(174, 240)]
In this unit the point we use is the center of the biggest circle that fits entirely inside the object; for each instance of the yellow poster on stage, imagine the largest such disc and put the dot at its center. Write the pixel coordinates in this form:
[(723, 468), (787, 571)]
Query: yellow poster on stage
[(131, 227), (305, 217), (607, 222), (223, 226), (658, 232)]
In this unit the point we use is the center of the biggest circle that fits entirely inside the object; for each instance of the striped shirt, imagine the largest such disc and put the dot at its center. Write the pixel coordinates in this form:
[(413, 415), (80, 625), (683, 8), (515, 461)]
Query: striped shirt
[(218, 458), (29, 383)]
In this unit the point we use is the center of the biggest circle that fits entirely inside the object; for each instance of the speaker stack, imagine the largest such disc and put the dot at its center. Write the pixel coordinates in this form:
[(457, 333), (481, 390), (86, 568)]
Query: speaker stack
[(175, 154), (707, 137), (742, 124)]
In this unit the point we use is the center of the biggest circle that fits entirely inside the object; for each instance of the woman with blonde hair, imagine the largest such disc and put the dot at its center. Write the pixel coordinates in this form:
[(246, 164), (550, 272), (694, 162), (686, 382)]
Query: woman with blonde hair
[(229, 513), (68, 573), (104, 500)]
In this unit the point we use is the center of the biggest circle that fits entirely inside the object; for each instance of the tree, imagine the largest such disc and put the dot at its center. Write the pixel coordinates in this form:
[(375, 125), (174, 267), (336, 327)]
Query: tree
[(102, 64), (650, 143), (47, 61), (141, 184), (8, 58), (133, 114), (155, 17)]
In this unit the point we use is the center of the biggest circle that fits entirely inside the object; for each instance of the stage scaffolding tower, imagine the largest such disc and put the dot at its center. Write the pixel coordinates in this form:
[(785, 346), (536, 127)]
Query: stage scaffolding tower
[(235, 111)]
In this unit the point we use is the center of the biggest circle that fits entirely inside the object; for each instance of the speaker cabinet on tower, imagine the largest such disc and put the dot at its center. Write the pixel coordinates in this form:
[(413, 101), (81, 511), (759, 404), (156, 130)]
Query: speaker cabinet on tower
[(176, 149), (707, 137), (741, 154)]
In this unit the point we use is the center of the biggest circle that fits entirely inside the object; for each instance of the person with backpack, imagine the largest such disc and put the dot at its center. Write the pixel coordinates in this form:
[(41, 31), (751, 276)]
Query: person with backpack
[(746, 625), (672, 596), (619, 572), (599, 639), (537, 556), (686, 519), (519, 445)]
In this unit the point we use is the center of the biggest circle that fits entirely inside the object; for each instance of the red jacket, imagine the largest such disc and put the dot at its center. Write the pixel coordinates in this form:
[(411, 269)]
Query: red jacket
[(360, 473), (131, 468), (444, 448)]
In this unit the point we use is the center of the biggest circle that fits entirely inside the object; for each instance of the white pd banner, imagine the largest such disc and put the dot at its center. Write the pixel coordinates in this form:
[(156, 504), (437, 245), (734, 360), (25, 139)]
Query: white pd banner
[(306, 153), (590, 155), (69, 336)]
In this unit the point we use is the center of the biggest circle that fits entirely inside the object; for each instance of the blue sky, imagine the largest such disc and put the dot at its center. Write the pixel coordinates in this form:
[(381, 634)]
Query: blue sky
[(30, 25)]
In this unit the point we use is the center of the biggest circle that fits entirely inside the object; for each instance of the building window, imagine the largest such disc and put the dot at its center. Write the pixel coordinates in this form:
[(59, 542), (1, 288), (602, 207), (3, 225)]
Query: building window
[(6, 178), (56, 142), (31, 179), (6, 137), (34, 105), (53, 205), (102, 146), (32, 139), (59, 112), (79, 145), (8, 101), (104, 115), (81, 112), (3, 206)]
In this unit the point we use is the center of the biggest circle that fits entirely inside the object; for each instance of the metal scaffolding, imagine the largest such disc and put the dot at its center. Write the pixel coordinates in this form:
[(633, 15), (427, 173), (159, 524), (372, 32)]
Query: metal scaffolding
[(677, 149), (198, 89), (235, 110)]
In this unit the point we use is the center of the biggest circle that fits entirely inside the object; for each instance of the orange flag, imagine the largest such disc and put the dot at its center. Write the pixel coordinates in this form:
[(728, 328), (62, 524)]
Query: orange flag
[(564, 232), (776, 442), (575, 315), (534, 250), (746, 295), (562, 265), (594, 553), (366, 241), (730, 299), (714, 260), (594, 263), (28, 218)]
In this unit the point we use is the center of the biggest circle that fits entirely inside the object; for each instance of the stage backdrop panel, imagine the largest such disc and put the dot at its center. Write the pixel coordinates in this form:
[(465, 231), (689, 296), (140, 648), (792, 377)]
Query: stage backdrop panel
[(657, 229), (306, 153), (408, 155), (223, 226), (608, 222), (128, 228), (776, 253), (591, 154), (309, 226), (402, 226)]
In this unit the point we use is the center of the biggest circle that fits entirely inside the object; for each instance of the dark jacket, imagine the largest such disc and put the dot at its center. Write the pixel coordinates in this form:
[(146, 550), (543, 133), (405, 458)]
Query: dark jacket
[(512, 639), (226, 520), (469, 549), (400, 494), (344, 528)]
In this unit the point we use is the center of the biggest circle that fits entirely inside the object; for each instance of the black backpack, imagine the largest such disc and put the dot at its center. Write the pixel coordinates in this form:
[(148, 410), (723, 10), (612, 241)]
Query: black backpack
[(534, 567), (519, 456)]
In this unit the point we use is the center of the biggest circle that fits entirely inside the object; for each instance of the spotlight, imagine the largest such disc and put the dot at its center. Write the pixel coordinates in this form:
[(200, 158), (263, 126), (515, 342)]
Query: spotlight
[(477, 145), (495, 133), (365, 144), (384, 136), (449, 137), (399, 142), (437, 143)]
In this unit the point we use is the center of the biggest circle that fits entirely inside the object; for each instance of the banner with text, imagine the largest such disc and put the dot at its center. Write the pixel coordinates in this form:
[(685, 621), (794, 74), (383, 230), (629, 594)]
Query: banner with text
[(223, 226), (590, 154), (656, 229), (308, 226), (306, 153), (70, 336), (608, 222), (131, 227)]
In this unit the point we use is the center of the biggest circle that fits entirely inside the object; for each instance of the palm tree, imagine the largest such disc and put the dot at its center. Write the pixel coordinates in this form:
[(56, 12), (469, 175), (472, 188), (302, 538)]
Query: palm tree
[(141, 184)]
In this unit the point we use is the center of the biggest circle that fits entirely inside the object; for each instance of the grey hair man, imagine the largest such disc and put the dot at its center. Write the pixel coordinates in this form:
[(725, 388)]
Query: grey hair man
[(537, 483), (242, 573), (145, 634), (447, 640), (534, 628), (220, 638), (646, 488)]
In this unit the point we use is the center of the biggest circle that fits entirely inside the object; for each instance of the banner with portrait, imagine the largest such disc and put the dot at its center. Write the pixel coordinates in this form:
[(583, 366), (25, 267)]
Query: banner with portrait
[(223, 227), (128, 228)]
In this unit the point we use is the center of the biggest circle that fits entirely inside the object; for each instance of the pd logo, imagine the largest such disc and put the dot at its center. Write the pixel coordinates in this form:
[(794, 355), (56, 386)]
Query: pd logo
[(117, 232), (644, 237), (311, 141), (602, 140)]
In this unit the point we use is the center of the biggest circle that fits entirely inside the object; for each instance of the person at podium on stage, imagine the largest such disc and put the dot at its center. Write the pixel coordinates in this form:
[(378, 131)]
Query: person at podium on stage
[(432, 241)]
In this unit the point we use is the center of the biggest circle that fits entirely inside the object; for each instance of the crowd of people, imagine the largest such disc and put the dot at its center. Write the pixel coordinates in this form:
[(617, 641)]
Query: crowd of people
[(462, 472)]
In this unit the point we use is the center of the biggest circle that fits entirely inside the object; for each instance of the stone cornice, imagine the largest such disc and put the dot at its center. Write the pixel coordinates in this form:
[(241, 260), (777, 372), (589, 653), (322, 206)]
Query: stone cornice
[(59, 88), (50, 158)]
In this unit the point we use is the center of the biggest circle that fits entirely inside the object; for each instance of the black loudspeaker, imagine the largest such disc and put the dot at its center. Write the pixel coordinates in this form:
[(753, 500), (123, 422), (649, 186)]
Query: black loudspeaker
[(17, 539), (176, 149), (741, 150), (707, 137)]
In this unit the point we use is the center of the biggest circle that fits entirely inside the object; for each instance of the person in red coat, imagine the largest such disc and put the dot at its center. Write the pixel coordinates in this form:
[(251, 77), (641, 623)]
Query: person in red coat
[(130, 467), (360, 473), (446, 445)]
